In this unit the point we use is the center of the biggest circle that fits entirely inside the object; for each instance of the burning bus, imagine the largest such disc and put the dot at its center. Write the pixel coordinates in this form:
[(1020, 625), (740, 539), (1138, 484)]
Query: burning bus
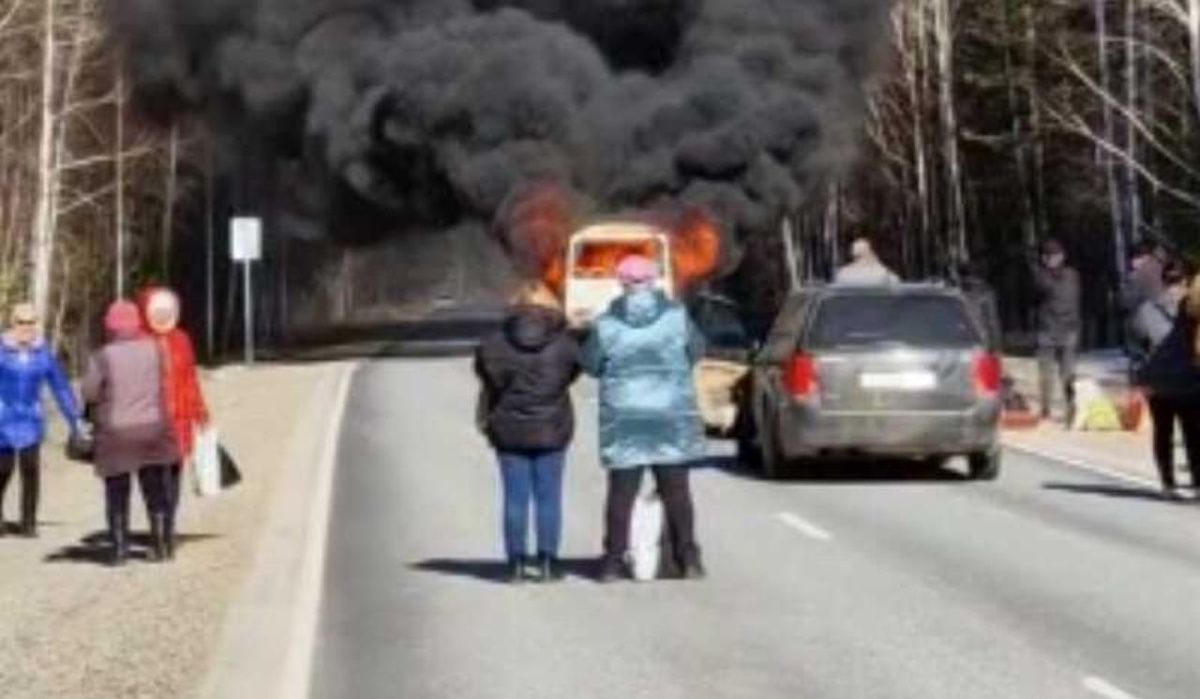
[(590, 284)]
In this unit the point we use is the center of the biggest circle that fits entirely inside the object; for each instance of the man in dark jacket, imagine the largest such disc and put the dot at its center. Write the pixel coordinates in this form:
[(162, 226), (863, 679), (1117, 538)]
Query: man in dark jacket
[(1059, 324), (526, 371)]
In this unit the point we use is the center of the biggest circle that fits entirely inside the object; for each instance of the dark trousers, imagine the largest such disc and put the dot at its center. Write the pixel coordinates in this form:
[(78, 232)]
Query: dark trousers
[(1063, 356), (1165, 412), (159, 491), (675, 490), (538, 476), (28, 462)]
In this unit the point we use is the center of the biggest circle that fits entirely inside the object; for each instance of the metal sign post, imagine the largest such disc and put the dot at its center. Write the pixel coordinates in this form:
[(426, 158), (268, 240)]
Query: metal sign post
[(245, 248)]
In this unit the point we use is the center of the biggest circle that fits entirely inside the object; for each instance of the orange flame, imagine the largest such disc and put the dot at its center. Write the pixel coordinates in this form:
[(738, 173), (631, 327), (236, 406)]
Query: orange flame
[(695, 249)]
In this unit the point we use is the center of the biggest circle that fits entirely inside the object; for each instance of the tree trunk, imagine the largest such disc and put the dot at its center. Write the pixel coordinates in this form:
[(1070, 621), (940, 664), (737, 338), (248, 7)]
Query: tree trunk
[(788, 233), (957, 212), (1132, 98), (1194, 43), (1036, 132), (1017, 126), (832, 226), (168, 224), (1100, 8), (41, 251), (119, 196), (916, 89)]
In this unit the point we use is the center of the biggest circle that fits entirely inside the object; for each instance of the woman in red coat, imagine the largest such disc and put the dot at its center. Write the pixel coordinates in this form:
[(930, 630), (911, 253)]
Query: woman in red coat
[(181, 385)]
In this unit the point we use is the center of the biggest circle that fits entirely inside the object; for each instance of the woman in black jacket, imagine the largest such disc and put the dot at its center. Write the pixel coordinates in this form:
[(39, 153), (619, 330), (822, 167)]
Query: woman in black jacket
[(526, 371), (1171, 378)]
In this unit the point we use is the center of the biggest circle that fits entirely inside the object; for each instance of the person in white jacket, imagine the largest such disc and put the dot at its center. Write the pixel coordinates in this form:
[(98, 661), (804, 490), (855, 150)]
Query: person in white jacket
[(865, 268)]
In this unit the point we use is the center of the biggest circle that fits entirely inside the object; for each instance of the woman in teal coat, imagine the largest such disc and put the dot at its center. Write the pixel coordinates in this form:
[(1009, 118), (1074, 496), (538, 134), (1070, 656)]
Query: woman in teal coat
[(643, 351)]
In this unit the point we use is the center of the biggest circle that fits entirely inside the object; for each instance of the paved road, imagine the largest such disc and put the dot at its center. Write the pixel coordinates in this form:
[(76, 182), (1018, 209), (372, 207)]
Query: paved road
[(1050, 583)]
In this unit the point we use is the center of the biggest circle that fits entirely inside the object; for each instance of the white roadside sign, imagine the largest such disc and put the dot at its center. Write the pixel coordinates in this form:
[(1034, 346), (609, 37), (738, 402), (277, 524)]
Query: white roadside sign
[(245, 243)]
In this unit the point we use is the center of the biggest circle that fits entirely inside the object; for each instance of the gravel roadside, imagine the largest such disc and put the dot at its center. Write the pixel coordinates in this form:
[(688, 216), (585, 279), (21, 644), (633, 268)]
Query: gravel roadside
[(71, 628)]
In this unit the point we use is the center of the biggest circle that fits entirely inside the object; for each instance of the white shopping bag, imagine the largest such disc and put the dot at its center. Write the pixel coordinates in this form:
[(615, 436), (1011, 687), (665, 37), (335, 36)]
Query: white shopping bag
[(645, 536), (206, 462)]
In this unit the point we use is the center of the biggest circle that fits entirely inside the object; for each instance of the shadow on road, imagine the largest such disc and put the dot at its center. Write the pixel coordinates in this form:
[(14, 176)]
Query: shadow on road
[(94, 549), (849, 472), (496, 571), (1113, 491)]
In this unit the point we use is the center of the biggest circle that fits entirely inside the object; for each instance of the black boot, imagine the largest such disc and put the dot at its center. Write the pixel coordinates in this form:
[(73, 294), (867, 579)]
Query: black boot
[(516, 570), (693, 564), (169, 536), (549, 568), (118, 534), (29, 507), (612, 569), (158, 537)]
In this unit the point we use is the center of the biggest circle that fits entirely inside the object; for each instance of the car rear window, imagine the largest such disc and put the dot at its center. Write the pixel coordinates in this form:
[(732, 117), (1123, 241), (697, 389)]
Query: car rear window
[(914, 321)]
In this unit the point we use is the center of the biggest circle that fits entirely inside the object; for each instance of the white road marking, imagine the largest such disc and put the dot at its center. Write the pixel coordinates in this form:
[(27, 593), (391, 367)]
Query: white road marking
[(1102, 687), (1085, 466), (804, 526), (297, 675)]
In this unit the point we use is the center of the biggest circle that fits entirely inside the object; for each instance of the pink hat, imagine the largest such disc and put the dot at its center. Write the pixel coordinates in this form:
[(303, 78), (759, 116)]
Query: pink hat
[(123, 319), (636, 269)]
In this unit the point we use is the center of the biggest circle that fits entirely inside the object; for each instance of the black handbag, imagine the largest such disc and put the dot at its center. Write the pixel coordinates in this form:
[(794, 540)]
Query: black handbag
[(81, 448), (230, 474)]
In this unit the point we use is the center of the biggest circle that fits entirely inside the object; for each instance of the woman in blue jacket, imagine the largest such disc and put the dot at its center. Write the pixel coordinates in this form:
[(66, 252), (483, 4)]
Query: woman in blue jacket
[(643, 351), (27, 364)]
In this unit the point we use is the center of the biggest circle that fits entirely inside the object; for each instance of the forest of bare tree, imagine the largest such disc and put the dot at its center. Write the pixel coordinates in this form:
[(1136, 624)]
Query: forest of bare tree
[(1001, 123), (994, 124)]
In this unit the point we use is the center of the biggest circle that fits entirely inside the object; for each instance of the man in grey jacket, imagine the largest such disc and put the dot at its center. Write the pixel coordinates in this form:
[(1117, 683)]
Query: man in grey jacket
[(1060, 321)]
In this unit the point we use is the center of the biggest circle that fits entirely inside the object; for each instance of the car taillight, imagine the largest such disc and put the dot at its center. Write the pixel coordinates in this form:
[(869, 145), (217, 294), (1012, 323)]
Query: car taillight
[(989, 373), (802, 376)]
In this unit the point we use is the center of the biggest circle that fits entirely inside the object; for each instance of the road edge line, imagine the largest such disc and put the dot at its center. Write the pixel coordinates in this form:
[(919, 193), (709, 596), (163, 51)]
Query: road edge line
[(255, 643), (1082, 465), (297, 673)]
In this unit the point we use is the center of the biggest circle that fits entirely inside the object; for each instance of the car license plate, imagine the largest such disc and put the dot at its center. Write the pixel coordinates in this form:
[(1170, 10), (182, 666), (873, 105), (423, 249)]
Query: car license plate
[(907, 381)]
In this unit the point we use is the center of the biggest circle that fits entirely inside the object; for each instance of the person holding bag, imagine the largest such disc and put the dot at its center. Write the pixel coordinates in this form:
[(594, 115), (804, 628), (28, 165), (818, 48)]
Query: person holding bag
[(526, 371), (186, 408), (124, 383), (26, 365)]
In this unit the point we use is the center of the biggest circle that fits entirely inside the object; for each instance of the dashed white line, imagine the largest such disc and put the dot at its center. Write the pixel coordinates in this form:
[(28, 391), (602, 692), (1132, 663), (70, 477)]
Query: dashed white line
[(1102, 687), (804, 526)]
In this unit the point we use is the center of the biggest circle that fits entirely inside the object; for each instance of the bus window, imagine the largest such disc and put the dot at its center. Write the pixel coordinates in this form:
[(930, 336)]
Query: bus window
[(598, 259)]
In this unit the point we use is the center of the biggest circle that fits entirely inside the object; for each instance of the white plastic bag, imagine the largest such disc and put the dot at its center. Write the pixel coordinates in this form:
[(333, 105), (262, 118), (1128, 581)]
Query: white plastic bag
[(206, 462), (645, 536)]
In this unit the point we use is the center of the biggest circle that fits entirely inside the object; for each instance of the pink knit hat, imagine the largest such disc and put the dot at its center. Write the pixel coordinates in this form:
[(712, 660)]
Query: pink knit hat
[(123, 319), (635, 269)]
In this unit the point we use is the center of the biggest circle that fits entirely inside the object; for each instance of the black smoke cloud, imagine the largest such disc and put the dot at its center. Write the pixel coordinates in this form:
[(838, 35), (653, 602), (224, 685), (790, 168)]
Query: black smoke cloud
[(389, 117)]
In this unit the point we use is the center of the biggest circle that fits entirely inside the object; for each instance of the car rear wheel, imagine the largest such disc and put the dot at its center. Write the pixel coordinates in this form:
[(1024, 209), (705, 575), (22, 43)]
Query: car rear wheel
[(749, 456), (772, 461), (984, 466)]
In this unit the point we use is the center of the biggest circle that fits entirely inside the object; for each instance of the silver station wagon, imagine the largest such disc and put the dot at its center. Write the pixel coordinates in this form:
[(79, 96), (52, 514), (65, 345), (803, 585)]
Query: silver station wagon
[(892, 371)]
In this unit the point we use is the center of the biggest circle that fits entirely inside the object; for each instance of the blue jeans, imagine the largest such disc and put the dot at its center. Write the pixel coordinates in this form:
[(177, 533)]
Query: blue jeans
[(536, 475)]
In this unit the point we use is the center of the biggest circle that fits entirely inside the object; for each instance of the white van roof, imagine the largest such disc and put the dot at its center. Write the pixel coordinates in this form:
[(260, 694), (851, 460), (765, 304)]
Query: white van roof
[(619, 232)]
